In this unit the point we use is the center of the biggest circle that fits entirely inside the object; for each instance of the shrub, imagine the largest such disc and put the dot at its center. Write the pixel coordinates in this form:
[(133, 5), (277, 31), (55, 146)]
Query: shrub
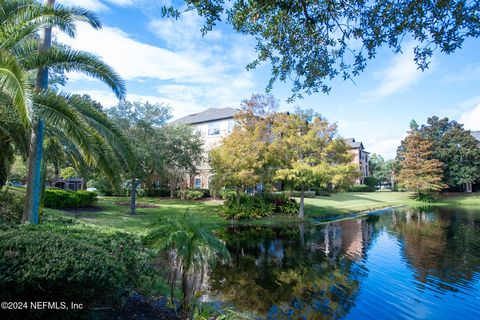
[(103, 186), (283, 204), (249, 207), (68, 263), (259, 206), (306, 194), (59, 199), (360, 188), (157, 192), (11, 206), (228, 194), (371, 182), (193, 195)]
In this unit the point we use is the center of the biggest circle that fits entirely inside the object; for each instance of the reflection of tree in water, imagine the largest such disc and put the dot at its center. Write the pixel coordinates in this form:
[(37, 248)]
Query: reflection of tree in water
[(287, 273), (441, 244)]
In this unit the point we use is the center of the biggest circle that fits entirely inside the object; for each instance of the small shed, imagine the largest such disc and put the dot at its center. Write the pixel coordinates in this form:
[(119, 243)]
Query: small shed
[(73, 184)]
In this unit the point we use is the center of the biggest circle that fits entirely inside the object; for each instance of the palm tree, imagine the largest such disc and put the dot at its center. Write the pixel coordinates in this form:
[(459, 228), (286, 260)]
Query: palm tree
[(191, 247), (31, 104)]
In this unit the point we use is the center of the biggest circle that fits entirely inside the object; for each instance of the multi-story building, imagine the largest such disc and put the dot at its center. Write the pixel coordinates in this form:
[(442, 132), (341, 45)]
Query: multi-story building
[(360, 158), (212, 124), (216, 123)]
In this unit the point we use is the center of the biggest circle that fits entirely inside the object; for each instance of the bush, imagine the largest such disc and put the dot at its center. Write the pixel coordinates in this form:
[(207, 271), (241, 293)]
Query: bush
[(360, 188), (249, 207), (11, 206), (157, 192), (60, 199), (103, 186), (306, 194), (259, 206), (193, 195), (69, 263), (371, 182), (228, 194), (283, 204)]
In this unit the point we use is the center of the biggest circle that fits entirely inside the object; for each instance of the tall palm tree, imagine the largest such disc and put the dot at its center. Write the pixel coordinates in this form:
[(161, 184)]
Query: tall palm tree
[(89, 133)]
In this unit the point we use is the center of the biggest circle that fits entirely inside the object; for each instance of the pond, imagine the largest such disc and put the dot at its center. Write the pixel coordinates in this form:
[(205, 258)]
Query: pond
[(394, 264)]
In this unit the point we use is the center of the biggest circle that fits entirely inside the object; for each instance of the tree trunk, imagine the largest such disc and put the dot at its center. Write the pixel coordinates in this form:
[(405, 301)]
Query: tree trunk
[(32, 197), (301, 211), (238, 196), (133, 196), (185, 290), (301, 229)]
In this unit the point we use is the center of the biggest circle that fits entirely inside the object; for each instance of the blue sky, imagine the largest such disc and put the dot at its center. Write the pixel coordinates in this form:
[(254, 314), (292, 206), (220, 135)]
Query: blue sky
[(168, 61)]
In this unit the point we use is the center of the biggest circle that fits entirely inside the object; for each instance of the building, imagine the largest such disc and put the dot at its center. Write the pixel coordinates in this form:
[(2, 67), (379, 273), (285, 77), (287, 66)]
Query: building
[(72, 184), (212, 124), (360, 158)]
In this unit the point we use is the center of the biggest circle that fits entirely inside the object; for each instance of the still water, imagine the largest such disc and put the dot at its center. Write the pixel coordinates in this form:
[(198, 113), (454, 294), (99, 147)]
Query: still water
[(394, 264)]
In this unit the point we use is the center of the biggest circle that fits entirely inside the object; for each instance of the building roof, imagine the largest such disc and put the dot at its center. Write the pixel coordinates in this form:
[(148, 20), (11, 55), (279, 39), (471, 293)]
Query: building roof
[(208, 115), (476, 135), (353, 144)]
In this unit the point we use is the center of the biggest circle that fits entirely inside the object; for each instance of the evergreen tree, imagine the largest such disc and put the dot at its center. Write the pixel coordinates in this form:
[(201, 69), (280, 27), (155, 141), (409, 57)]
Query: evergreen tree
[(419, 170)]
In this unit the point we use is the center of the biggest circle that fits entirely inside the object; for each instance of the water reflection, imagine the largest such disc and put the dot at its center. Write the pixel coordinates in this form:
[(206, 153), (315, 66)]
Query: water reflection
[(403, 263)]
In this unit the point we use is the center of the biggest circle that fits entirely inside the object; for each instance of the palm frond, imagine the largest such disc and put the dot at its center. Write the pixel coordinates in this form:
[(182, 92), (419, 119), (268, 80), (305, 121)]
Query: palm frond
[(57, 112), (13, 84), (79, 61)]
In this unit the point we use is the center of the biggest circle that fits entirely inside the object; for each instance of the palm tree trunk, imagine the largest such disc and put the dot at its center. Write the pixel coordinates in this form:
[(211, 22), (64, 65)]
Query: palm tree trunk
[(133, 196), (32, 197), (301, 212)]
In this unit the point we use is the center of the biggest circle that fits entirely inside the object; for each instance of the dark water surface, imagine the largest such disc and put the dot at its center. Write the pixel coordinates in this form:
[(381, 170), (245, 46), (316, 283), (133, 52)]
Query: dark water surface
[(397, 264)]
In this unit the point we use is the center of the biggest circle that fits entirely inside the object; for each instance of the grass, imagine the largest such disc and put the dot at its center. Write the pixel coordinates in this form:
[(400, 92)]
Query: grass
[(115, 213)]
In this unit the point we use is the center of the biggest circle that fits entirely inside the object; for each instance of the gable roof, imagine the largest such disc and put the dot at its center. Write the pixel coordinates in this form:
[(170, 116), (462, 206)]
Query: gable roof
[(208, 115), (476, 135), (353, 144)]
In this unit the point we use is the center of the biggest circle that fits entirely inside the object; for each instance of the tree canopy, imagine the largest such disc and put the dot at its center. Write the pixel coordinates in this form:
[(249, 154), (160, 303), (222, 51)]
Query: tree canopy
[(312, 42)]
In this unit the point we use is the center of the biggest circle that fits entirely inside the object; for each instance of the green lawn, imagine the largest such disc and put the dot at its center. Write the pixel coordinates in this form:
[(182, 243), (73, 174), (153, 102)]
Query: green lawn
[(115, 215)]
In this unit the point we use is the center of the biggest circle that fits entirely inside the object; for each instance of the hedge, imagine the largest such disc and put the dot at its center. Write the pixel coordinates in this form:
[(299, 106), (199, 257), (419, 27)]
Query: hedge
[(60, 199), (65, 263)]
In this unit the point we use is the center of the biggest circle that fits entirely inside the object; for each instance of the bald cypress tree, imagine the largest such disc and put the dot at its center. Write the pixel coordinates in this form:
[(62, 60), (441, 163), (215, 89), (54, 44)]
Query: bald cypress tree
[(420, 172)]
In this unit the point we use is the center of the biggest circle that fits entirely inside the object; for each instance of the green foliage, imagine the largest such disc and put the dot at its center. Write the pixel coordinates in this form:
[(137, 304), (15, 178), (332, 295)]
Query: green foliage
[(361, 188), (103, 185), (193, 195), (258, 206), (191, 246), (313, 42), (249, 207), (59, 199), (11, 206), (69, 263), (297, 194), (157, 192), (372, 182), (228, 194), (68, 172)]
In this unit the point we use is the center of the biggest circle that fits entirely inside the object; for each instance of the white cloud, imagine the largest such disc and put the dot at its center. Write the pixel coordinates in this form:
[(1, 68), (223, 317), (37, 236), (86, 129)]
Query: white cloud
[(94, 5), (471, 118), (206, 72), (385, 145), (97, 5), (400, 75)]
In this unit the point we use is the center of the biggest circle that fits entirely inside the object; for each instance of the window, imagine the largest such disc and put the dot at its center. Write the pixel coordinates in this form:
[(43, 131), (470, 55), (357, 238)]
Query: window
[(213, 129), (198, 183)]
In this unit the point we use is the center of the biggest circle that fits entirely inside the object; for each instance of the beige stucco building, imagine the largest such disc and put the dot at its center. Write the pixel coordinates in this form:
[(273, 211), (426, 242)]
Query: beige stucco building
[(212, 124), (360, 158)]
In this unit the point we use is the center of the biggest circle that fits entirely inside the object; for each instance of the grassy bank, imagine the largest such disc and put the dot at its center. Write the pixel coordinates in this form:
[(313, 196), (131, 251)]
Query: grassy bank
[(114, 211)]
